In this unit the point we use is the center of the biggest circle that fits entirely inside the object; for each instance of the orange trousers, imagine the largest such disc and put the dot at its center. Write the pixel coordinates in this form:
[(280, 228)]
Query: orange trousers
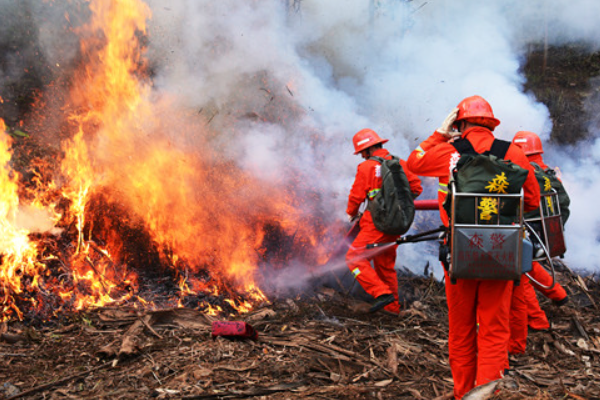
[(525, 308), (539, 273), (518, 318), (477, 355), (536, 316), (380, 278)]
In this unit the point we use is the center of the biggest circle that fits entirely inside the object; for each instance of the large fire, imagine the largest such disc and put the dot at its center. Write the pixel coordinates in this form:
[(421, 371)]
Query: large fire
[(133, 212)]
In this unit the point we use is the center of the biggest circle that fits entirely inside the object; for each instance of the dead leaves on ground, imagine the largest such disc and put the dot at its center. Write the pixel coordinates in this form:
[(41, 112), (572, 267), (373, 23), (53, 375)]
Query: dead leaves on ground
[(312, 346)]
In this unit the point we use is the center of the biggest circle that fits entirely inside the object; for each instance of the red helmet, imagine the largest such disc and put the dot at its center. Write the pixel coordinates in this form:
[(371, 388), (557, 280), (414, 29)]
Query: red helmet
[(476, 110), (529, 142), (364, 139)]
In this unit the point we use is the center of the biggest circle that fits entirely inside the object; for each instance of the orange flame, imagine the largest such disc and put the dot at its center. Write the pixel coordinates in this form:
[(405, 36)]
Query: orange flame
[(18, 253), (154, 179), (207, 218)]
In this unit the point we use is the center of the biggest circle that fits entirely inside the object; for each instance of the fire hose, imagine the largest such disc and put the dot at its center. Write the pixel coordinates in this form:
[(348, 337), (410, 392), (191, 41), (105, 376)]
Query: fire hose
[(547, 256), (433, 234), (344, 242), (438, 234), (354, 227), (429, 204)]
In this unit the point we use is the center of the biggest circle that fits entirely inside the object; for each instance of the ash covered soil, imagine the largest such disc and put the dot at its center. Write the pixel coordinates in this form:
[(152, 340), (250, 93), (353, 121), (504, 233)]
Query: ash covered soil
[(320, 344)]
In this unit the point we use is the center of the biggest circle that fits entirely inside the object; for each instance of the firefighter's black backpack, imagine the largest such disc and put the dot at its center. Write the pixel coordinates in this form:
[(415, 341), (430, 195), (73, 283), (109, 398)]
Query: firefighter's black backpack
[(476, 251), (393, 207), (547, 180), (487, 172)]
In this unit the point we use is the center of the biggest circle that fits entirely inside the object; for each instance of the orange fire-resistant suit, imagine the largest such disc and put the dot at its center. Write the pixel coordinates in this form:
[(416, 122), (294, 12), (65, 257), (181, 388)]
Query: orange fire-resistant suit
[(518, 318), (381, 279), (477, 354), (536, 317)]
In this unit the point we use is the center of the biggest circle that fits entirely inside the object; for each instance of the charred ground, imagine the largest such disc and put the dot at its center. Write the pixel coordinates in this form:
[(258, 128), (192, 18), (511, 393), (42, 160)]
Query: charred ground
[(315, 345)]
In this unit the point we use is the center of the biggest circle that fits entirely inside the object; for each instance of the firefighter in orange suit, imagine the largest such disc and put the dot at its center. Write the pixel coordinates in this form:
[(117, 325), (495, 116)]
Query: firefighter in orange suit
[(381, 282), (536, 318), (478, 354)]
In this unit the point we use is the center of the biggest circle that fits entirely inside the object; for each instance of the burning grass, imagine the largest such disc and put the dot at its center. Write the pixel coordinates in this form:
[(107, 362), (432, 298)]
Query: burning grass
[(75, 271)]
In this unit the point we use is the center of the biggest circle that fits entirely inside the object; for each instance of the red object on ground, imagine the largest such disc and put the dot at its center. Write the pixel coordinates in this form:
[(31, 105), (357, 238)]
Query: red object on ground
[(233, 329), (430, 204)]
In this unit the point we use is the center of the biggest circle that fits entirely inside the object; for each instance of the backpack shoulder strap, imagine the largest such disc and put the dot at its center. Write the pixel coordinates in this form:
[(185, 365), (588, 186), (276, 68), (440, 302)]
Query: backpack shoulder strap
[(547, 171), (536, 166), (380, 160), (499, 148), (463, 146)]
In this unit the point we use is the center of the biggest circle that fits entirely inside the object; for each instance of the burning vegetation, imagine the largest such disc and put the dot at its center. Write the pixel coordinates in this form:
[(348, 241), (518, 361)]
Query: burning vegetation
[(130, 214)]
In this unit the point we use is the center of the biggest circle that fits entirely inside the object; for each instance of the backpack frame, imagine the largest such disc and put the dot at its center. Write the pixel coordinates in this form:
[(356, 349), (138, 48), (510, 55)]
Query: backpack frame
[(480, 248)]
